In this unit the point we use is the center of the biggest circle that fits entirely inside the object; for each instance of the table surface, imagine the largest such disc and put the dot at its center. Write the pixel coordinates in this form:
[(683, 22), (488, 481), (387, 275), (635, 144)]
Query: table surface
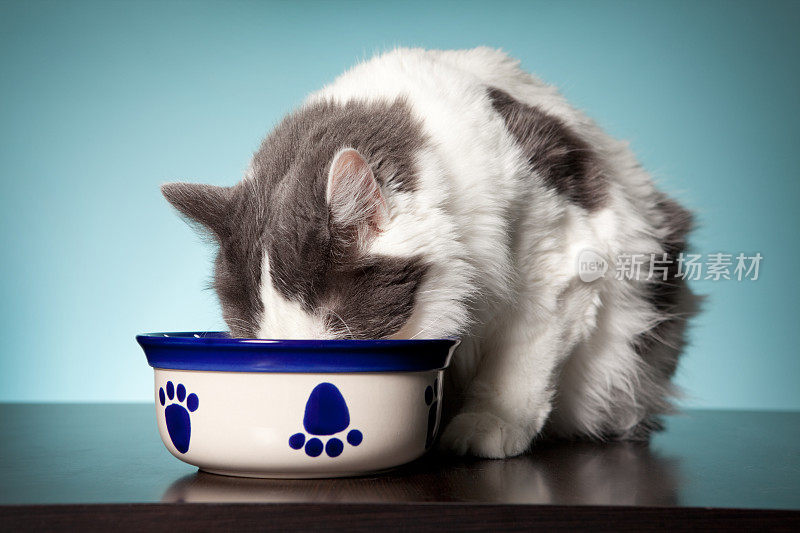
[(111, 453)]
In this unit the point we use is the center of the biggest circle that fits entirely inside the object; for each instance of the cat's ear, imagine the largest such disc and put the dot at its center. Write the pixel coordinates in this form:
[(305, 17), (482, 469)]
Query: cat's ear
[(207, 205), (353, 194)]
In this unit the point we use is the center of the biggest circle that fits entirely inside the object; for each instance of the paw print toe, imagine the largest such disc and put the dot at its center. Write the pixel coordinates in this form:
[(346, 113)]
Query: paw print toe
[(354, 437), (192, 402), (334, 447), (314, 447), (296, 441)]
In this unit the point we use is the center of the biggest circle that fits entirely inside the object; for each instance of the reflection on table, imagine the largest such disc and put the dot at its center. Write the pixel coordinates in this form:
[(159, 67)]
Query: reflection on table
[(581, 473)]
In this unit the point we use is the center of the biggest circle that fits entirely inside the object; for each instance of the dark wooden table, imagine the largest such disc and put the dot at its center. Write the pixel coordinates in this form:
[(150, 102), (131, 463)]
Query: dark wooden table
[(104, 467)]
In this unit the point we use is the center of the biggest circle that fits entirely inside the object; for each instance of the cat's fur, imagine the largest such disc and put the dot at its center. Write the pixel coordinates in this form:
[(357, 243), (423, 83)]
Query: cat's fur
[(435, 193)]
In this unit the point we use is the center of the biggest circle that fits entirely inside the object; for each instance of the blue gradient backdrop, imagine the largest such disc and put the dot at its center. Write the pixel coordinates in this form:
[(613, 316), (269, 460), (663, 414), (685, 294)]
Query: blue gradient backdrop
[(100, 102)]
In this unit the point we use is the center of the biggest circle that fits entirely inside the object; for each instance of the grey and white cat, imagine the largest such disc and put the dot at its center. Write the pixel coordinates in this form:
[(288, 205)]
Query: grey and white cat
[(435, 193)]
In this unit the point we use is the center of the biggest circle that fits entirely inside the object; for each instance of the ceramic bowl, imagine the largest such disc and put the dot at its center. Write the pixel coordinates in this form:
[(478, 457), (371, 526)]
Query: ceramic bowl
[(296, 408)]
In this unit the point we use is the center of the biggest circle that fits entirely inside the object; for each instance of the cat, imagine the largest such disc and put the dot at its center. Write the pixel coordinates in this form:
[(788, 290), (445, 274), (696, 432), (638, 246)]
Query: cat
[(426, 194)]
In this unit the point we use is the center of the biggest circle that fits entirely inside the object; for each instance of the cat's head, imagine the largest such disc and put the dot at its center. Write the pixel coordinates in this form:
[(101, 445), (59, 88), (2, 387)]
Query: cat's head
[(334, 232)]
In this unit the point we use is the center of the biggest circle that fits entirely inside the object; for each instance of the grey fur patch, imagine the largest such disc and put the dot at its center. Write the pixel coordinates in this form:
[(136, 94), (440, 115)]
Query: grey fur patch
[(280, 209), (675, 304), (674, 223), (565, 161), (375, 298), (200, 203)]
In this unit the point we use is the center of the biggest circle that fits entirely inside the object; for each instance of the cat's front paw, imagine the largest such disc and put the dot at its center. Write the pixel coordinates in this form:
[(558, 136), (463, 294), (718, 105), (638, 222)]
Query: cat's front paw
[(485, 435)]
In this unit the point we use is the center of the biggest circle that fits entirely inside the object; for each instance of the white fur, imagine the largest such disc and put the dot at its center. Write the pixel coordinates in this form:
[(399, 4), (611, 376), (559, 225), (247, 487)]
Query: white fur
[(286, 319), (504, 248)]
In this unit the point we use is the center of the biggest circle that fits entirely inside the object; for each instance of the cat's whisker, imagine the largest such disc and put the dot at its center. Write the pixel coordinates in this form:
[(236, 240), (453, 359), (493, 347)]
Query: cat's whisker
[(427, 327), (349, 331)]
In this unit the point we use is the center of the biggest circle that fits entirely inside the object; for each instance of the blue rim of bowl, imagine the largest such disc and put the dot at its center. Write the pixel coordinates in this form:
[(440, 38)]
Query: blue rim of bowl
[(217, 351)]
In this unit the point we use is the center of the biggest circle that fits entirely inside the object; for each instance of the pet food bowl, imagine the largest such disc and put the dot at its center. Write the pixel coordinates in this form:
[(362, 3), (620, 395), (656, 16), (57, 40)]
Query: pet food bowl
[(296, 408)]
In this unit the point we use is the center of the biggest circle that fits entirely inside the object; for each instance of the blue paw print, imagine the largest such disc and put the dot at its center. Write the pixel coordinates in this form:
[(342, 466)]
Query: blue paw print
[(432, 397), (326, 414), (179, 426)]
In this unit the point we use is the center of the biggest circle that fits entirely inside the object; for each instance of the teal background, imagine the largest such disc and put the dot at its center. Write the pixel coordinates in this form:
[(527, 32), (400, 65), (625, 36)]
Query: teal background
[(100, 102)]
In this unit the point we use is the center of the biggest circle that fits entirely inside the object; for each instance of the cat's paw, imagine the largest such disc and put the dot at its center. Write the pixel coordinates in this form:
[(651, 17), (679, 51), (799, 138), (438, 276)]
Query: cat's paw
[(485, 435)]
